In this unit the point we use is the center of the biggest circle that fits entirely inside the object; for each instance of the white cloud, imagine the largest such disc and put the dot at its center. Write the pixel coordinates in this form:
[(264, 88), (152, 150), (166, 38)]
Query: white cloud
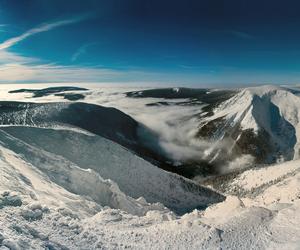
[(7, 57), (15, 67), (22, 69), (3, 27), (42, 28)]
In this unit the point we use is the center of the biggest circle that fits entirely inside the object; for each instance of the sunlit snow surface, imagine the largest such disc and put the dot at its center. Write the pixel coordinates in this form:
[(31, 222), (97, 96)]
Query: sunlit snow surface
[(50, 200)]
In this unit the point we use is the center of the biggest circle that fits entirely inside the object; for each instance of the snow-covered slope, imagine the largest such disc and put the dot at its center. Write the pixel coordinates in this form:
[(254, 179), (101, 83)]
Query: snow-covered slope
[(54, 152), (260, 121), (40, 214), (106, 122)]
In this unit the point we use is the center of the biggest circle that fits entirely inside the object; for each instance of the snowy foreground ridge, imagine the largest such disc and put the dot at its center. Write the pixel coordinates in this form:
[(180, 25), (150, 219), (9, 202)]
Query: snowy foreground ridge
[(64, 187)]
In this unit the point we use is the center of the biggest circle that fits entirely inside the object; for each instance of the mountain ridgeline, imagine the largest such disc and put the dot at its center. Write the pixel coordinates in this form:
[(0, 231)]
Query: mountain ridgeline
[(48, 135), (260, 123), (257, 124)]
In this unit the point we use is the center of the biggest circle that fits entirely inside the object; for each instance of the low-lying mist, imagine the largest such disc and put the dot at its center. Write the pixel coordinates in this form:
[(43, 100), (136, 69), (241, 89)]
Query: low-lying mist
[(170, 129)]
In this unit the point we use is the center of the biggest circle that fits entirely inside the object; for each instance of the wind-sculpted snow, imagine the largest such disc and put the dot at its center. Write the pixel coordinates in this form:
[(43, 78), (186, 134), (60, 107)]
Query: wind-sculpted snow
[(84, 182), (233, 224), (55, 151)]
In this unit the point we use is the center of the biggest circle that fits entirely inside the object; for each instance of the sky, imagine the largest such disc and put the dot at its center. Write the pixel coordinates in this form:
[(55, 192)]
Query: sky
[(188, 42)]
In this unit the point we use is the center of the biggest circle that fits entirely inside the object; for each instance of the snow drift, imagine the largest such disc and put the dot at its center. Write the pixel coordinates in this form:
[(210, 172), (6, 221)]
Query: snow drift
[(78, 162)]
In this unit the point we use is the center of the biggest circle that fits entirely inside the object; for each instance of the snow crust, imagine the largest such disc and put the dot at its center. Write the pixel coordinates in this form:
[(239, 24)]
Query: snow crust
[(233, 224), (88, 159)]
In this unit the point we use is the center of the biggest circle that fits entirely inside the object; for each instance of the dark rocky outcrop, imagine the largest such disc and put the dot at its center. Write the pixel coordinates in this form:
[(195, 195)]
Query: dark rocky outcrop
[(47, 91)]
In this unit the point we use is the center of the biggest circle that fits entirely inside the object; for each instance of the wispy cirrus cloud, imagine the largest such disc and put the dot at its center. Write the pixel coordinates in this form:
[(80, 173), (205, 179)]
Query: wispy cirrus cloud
[(18, 72), (16, 67), (3, 27), (81, 50), (240, 34), (41, 28)]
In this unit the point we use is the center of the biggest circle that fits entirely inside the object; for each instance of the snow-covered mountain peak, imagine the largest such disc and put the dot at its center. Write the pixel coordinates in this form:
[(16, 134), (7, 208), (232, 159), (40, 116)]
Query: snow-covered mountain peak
[(247, 97), (262, 121), (263, 90), (252, 107)]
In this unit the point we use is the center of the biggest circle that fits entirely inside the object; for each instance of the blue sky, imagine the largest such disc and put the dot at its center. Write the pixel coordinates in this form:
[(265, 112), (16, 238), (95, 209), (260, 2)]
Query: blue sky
[(200, 43)]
